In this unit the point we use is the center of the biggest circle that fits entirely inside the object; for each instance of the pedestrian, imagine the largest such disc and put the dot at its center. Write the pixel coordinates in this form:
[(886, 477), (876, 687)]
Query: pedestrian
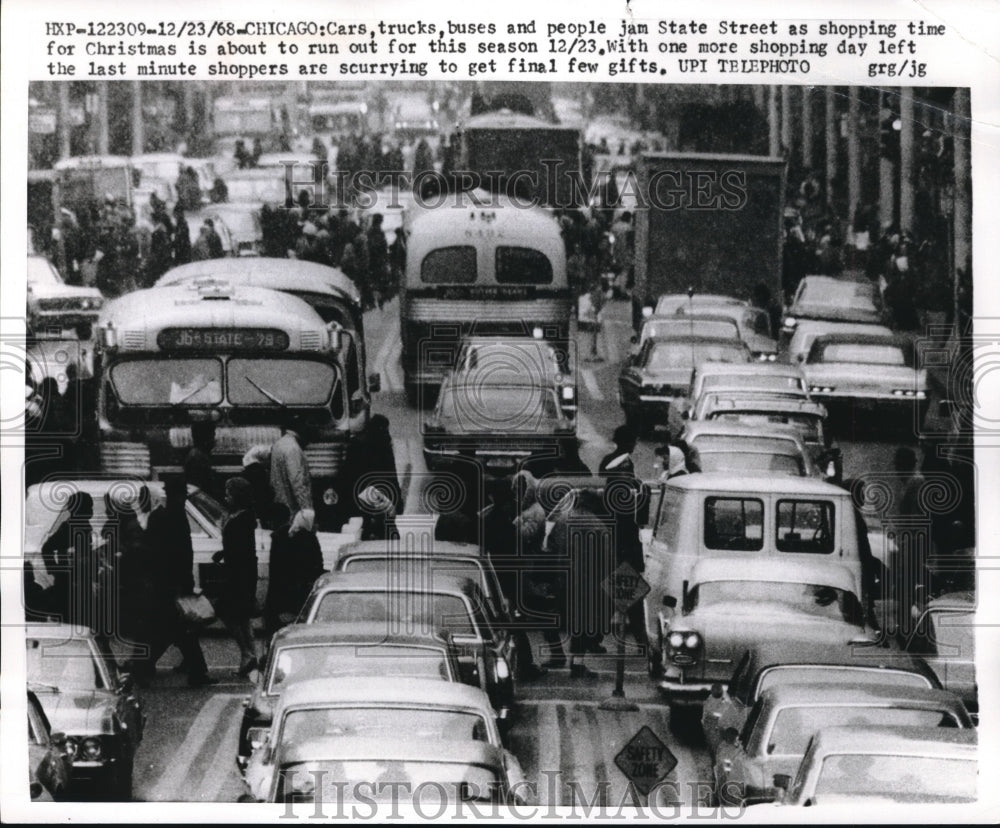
[(619, 461), (378, 259), (168, 536), (373, 456), (379, 515), (300, 562), (198, 469), (219, 194), (182, 237), (242, 156), (160, 249), (215, 250), (238, 603), (530, 528), (201, 250), (675, 464), (291, 480), (67, 554), (910, 561), (257, 470)]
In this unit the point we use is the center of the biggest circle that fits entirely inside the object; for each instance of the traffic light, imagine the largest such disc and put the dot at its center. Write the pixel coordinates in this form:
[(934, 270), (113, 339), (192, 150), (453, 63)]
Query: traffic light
[(889, 129)]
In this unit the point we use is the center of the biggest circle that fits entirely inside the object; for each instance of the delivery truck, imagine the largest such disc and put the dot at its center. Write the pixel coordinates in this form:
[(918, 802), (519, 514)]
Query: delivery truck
[(707, 223)]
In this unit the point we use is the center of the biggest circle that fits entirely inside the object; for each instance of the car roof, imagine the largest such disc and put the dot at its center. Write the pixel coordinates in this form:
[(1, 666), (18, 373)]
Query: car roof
[(820, 693), (728, 483), (902, 741), (261, 271), (768, 654), (863, 339), (965, 600), (334, 748), (820, 572), (748, 402), (368, 581), (694, 429), (376, 690), (361, 633), (384, 548)]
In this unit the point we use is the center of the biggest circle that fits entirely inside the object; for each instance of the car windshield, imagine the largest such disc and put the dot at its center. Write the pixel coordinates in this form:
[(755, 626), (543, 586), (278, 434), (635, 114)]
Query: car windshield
[(817, 600), (348, 659), (486, 407), (922, 778), (41, 272), (386, 721), (66, 664), (784, 674), (411, 612), (807, 425), (750, 461), (862, 354), (280, 381), (687, 354), (794, 726), (388, 781), (168, 381)]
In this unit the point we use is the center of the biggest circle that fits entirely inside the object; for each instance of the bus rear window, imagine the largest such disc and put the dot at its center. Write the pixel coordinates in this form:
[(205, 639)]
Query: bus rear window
[(449, 266), (523, 266)]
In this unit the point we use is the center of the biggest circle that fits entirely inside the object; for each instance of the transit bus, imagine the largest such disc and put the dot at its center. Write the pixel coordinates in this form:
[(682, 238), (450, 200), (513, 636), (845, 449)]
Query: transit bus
[(241, 358), (480, 265)]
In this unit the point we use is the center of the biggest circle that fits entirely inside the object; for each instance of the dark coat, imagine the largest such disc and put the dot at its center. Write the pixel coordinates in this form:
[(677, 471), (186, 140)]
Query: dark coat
[(239, 558)]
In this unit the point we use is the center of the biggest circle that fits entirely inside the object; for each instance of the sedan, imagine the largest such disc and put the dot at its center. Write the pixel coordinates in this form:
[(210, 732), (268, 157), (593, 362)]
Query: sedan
[(714, 326), (805, 417), (777, 731), (329, 651), (753, 324), (670, 303), (754, 379), (487, 651), (86, 697), (653, 385), (797, 347), (908, 765), (745, 450), (803, 659), (866, 374), (50, 769), (426, 712), (498, 426), (838, 300), (54, 305)]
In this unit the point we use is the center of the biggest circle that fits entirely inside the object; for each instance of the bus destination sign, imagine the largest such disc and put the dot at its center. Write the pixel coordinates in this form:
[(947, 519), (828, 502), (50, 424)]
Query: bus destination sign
[(222, 339)]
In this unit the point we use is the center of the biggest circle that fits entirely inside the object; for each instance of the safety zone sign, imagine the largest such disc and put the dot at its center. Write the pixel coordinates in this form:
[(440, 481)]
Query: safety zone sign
[(645, 760)]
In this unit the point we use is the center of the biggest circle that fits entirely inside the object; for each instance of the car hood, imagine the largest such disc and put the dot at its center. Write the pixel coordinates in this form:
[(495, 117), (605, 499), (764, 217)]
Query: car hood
[(62, 292), (880, 376), (79, 712)]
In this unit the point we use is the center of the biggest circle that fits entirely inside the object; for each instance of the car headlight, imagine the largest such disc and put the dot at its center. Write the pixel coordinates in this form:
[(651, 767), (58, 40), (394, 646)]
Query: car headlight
[(91, 749), (72, 747), (676, 640), (567, 392), (790, 322), (692, 640)]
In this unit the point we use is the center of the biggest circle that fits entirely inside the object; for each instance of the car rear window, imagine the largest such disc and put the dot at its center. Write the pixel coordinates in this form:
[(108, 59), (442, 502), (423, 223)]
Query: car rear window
[(863, 354), (838, 674), (404, 611), (734, 523)]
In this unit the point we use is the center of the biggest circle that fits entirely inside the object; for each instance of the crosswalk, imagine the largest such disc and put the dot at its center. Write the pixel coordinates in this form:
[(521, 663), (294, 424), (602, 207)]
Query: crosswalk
[(567, 750)]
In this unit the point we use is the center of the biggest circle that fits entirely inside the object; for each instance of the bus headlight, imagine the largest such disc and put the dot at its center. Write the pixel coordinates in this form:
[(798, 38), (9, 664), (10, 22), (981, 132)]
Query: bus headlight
[(537, 333), (567, 392)]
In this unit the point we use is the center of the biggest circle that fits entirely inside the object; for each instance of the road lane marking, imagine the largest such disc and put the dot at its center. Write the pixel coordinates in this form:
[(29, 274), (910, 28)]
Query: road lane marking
[(203, 727), (582, 765), (390, 337), (548, 754), (392, 362), (590, 381), (223, 764)]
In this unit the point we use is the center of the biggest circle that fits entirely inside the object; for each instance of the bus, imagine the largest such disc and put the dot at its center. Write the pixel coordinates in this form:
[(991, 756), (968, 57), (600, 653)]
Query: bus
[(241, 358), (480, 265)]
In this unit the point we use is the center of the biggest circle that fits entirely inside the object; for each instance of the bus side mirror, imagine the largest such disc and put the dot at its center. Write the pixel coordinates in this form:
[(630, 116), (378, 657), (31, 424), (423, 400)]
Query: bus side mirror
[(374, 382)]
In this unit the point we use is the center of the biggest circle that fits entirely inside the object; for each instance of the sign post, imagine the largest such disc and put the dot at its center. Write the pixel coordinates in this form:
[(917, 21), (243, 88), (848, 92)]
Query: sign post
[(626, 587)]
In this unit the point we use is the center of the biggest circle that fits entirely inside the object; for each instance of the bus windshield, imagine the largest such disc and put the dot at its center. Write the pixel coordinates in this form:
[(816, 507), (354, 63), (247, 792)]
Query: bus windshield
[(168, 381), (279, 382)]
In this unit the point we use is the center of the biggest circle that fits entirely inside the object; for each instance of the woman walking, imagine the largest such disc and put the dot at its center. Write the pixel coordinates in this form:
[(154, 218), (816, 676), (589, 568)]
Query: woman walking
[(239, 557)]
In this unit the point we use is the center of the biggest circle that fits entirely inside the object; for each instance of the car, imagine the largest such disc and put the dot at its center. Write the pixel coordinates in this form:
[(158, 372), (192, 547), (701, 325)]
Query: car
[(87, 697), (668, 303), (260, 186), (866, 374), (806, 417), (653, 385), (501, 426), (366, 711), (57, 310), (331, 651), (487, 651), (801, 659), (494, 359), (943, 634), (753, 324), (729, 447), (776, 733), (906, 765), (238, 226), (713, 326), (50, 770), (443, 557), (730, 604), (708, 400), (761, 518), (834, 299), (755, 379), (796, 348), (45, 509)]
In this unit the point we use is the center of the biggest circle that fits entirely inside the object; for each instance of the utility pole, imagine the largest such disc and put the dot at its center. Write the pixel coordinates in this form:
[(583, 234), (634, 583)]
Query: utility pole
[(886, 169), (786, 120), (773, 140), (63, 120), (906, 160), (807, 127), (830, 144), (853, 155), (138, 125), (103, 141)]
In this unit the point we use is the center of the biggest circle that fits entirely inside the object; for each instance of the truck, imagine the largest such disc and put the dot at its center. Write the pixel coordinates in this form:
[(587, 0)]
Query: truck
[(707, 223)]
